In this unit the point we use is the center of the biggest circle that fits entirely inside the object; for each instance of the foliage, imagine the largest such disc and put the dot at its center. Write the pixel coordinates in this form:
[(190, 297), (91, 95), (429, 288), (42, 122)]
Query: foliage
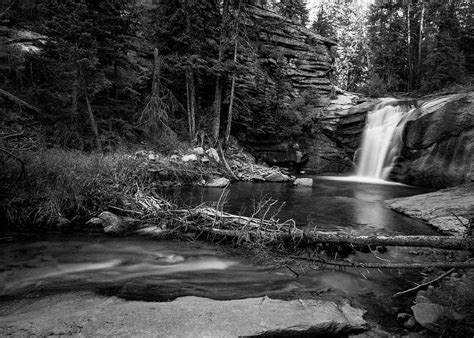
[(294, 10), (347, 24)]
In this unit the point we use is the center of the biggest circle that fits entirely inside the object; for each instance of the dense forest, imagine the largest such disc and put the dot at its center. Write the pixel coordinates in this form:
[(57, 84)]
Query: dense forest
[(100, 74)]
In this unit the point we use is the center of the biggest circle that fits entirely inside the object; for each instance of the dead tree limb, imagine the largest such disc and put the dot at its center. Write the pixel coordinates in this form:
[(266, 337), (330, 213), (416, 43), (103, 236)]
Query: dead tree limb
[(271, 230), (424, 284), (439, 265), (13, 135), (19, 101)]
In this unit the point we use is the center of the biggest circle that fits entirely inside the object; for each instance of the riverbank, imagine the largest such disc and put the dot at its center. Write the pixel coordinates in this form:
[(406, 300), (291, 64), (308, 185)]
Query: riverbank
[(60, 189)]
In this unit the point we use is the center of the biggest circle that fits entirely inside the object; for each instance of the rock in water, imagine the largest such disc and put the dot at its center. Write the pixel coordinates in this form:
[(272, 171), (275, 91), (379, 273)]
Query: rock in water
[(448, 210), (220, 182), (438, 143), (307, 182), (277, 177), (111, 223), (183, 317), (431, 316)]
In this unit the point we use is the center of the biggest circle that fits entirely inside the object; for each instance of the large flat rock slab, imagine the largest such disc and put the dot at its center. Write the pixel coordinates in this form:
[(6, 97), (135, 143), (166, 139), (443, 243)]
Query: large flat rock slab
[(86, 314), (448, 210)]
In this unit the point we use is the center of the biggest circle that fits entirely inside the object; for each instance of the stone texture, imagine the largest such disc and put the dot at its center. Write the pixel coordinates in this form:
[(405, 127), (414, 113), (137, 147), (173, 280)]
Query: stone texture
[(292, 62), (431, 315), (220, 182), (111, 223), (277, 177), (89, 315), (438, 143), (445, 209)]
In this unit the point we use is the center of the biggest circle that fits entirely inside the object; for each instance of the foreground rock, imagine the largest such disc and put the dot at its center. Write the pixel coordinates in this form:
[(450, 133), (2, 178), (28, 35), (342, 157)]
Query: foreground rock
[(220, 182), (89, 315), (438, 143), (449, 210)]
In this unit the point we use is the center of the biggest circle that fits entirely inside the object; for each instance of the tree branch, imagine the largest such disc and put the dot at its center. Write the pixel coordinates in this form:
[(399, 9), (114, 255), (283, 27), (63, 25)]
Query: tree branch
[(19, 101)]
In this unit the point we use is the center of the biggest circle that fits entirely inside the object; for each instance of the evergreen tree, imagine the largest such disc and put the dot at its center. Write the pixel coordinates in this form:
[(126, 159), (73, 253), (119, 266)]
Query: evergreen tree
[(294, 10)]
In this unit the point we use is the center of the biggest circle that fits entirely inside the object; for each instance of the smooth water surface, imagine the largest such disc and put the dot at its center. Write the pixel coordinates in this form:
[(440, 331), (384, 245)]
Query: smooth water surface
[(329, 204)]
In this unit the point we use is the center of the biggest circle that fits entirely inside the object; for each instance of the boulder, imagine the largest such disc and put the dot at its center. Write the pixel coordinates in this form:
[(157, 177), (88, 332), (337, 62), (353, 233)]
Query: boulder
[(277, 176), (86, 314), (205, 159), (438, 143), (111, 223), (304, 181), (220, 182), (189, 158), (448, 210), (433, 316), (407, 320)]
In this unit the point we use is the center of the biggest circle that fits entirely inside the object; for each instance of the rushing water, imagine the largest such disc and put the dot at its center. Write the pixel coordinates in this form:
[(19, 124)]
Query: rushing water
[(382, 139)]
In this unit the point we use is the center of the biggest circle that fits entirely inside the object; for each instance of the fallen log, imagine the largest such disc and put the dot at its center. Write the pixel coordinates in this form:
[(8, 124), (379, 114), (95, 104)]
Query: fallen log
[(387, 265), (19, 101), (274, 232)]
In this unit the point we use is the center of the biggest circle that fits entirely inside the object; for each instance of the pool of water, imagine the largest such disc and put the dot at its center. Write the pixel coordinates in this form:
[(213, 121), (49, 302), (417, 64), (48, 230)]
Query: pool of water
[(330, 204)]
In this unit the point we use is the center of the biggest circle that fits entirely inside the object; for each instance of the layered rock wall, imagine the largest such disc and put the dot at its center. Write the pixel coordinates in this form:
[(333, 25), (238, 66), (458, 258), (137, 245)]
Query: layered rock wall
[(285, 88)]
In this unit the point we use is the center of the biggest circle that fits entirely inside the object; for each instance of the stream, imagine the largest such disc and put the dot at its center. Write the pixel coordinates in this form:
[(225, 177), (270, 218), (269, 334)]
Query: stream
[(138, 268)]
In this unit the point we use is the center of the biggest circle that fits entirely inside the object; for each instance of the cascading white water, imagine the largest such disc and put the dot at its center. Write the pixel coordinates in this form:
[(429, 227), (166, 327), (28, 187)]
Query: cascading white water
[(381, 139)]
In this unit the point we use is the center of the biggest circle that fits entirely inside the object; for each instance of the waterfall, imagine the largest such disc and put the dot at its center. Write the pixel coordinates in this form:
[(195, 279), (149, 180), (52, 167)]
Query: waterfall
[(382, 138)]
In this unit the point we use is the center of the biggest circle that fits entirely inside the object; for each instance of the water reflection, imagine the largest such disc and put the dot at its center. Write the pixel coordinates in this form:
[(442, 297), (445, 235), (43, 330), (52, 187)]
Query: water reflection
[(329, 204)]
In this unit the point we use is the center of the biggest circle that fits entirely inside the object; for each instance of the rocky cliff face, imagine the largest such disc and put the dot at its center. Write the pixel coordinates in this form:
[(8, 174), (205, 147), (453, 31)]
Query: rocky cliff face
[(285, 89), (438, 143)]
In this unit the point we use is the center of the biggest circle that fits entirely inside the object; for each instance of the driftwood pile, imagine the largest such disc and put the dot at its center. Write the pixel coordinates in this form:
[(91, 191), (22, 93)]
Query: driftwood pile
[(162, 219)]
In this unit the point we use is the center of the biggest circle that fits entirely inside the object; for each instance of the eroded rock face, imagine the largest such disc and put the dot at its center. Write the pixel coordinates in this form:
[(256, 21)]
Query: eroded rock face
[(449, 210), (90, 315), (438, 144)]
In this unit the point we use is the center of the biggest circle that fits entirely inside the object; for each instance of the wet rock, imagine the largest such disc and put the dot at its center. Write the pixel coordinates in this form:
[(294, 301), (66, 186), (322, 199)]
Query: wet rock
[(277, 177), (433, 316), (220, 182), (407, 320), (64, 224), (448, 210), (308, 182), (111, 223), (189, 158), (89, 315), (438, 141)]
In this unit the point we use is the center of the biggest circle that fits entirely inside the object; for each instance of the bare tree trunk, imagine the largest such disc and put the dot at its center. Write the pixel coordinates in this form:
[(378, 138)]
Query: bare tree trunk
[(420, 39), (219, 82), (95, 130), (116, 87), (75, 91), (191, 103), (19, 101), (232, 94), (155, 86), (410, 65)]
